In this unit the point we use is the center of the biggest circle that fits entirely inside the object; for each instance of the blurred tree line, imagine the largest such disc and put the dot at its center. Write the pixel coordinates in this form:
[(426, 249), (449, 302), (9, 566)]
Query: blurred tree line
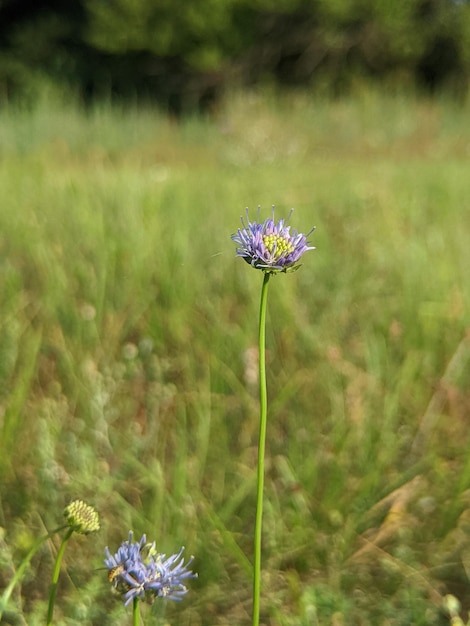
[(183, 54)]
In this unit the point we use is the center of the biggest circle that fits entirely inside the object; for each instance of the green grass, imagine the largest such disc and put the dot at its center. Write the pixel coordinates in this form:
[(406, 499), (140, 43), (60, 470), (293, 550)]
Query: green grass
[(125, 320)]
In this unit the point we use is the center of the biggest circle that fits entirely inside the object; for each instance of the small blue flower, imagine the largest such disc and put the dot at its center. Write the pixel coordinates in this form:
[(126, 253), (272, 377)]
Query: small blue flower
[(269, 246), (167, 575), (138, 570)]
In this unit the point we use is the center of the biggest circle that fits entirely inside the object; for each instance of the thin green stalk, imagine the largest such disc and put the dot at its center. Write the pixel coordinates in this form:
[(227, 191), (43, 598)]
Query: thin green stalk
[(55, 575), (21, 569), (135, 612), (263, 402)]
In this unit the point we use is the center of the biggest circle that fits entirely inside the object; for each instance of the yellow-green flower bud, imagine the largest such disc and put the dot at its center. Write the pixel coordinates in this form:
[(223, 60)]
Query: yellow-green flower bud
[(82, 517)]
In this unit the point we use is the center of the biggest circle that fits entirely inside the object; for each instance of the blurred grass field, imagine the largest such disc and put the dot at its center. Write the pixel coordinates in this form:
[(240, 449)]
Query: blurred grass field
[(127, 335)]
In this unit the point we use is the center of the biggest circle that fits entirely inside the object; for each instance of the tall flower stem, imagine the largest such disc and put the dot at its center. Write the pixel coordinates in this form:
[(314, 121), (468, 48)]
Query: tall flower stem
[(55, 575), (263, 402), (135, 612)]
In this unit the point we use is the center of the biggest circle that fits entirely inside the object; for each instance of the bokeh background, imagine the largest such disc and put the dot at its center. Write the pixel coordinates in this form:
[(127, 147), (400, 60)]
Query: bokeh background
[(184, 57), (133, 134)]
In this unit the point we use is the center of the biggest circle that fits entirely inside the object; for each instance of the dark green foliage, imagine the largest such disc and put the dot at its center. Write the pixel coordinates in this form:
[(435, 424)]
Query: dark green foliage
[(185, 58)]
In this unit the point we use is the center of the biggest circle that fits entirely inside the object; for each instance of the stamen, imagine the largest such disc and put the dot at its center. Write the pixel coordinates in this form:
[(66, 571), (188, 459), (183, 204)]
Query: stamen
[(277, 245)]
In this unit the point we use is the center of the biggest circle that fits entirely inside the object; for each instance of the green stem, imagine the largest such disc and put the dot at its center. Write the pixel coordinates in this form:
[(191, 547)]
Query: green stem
[(135, 612), (263, 401), (22, 567), (55, 575)]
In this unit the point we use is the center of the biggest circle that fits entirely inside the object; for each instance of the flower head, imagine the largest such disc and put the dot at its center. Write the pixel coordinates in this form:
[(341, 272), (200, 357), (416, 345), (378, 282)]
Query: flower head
[(270, 246), (82, 517), (138, 570)]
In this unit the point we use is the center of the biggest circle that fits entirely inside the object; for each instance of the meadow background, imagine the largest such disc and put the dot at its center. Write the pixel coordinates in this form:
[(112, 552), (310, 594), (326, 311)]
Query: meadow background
[(128, 333)]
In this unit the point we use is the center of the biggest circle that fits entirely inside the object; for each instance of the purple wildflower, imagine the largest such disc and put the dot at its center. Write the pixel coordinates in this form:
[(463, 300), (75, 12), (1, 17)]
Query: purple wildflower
[(137, 570), (270, 246), (168, 574)]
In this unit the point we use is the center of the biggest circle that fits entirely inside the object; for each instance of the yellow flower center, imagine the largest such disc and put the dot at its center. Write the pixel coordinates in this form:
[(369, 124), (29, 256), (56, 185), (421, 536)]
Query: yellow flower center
[(281, 245)]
